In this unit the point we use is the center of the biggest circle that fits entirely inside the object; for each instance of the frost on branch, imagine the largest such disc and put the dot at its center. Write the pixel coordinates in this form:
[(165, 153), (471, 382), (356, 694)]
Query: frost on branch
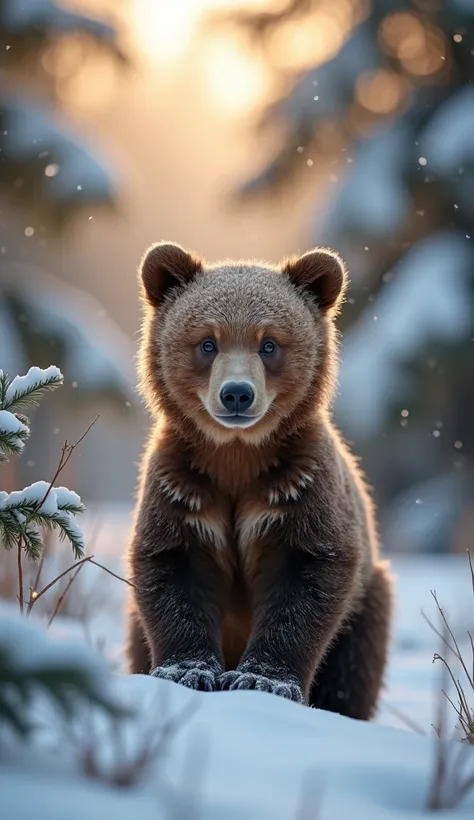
[(23, 512)]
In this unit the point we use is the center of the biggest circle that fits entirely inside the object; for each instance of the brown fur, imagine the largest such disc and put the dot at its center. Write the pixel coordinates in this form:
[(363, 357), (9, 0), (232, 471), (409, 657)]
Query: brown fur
[(254, 554)]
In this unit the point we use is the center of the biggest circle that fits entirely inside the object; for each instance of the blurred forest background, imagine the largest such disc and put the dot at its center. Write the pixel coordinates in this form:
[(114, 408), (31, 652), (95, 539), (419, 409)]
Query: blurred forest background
[(254, 128)]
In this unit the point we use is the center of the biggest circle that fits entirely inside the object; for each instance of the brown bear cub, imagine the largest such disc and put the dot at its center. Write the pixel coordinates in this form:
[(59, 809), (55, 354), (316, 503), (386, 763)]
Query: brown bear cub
[(254, 555)]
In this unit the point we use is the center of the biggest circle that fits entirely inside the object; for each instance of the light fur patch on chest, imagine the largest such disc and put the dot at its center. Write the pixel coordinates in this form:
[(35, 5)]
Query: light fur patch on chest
[(290, 488), (178, 494), (254, 524), (209, 529)]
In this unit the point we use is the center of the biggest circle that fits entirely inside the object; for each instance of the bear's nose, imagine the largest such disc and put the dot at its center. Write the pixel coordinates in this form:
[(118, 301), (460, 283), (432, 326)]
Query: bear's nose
[(237, 397)]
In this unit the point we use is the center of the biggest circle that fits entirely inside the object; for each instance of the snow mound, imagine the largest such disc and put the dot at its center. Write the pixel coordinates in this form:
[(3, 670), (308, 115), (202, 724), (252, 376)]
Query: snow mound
[(231, 755)]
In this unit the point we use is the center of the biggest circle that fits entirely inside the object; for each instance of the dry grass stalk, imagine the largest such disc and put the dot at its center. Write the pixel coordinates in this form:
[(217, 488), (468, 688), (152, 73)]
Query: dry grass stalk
[(464, 689), (128, 770), (451, 783)]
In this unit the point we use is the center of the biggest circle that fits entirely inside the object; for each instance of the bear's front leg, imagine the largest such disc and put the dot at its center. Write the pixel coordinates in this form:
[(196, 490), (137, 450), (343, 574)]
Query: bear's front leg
[(178, 595), (300, 599)]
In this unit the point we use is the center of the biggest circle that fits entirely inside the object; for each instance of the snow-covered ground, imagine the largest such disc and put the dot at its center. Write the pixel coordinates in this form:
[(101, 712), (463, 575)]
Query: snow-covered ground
[(249, 754)]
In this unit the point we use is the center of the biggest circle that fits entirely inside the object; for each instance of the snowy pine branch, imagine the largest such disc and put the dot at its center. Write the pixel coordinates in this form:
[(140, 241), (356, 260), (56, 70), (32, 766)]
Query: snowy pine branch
[(23, 511), (25, 391), (13, 434), (24, 514), (15, 396)]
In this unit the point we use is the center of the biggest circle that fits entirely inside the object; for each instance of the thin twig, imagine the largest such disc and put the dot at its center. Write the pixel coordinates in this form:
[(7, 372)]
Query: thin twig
[(88, 559), (66, 453), (38, 574), (435, 794), (47, 544), (458, 652), (471, 568), (450, 784), (20, 573), (39, 595), (106, 569), (63, 595)]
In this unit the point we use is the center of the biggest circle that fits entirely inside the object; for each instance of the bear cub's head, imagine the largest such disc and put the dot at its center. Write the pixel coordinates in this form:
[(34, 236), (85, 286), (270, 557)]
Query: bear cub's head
[(238, 349)]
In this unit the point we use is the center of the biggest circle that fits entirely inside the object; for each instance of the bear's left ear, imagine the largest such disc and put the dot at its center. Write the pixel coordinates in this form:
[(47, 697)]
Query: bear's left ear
[(322, 273), (164, 266)]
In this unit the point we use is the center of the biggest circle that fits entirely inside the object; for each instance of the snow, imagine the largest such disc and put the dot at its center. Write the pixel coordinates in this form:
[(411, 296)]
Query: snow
[(57, 498), (13, 428), (31, 496), (29, 646), (415, 308), (236, 754), (447, 139), (30, 500), (373, 198), (35, 377), (239, 754), (67, 498), (10, 424)]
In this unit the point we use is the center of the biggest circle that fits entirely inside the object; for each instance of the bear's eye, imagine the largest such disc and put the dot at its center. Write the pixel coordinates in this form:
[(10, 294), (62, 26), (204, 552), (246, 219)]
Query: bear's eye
[(268, 347), (208, 347)]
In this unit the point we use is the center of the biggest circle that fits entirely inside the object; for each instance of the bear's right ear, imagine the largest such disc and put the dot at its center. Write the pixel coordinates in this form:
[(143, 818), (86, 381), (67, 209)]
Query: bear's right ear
[(165, 266)]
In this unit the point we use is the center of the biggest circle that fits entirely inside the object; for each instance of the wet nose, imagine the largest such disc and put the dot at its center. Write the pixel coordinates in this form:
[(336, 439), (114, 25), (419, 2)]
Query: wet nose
[(237, 397)]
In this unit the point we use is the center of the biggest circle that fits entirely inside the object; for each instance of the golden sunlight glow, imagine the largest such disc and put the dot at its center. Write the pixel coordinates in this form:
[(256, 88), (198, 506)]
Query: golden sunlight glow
[(380, 91), (403, 35), (91, 87), (84, 75), (164, 29), (420, 48), (234, 79), (301, 43)]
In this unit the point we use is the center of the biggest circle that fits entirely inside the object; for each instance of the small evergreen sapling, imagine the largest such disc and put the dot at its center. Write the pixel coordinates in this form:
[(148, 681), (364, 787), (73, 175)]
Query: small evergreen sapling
[(24, 513), (29, 665)]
